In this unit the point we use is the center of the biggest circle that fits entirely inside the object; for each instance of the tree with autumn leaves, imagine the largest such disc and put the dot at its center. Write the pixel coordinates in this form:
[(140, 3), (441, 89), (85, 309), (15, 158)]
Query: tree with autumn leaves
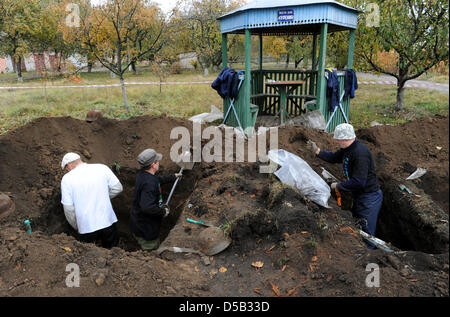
[(415, 32), (20, 22), (118, 33)]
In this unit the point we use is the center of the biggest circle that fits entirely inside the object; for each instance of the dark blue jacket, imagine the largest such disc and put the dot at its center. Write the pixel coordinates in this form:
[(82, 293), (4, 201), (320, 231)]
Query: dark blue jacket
[(350, 83), (146, 211), (359, 168), (227, 83), (332, 89)]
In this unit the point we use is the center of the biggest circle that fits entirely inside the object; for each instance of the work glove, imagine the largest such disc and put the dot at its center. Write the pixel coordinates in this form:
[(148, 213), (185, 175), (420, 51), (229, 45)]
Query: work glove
[(313, 147), (166, 210), (177, 175), (333, 186)]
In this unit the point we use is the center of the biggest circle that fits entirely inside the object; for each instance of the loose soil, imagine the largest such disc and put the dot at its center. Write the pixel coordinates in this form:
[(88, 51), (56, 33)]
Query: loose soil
[(283, 244)]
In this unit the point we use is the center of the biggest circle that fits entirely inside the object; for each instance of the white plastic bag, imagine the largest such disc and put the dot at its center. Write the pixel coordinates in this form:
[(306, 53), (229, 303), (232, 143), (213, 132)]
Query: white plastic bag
[(296, 172), (418, 173), (215, 114)]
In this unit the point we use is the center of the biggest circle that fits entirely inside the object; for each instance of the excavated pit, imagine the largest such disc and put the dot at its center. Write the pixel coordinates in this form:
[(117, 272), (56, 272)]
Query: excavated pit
[(412, 220), (295, 240), (52, 220)]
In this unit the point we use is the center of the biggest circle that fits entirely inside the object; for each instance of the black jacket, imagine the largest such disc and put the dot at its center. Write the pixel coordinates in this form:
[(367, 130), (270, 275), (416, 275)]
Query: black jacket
[(332, 89), (350, 83), (359, 168), (146, 212), (227, 83)]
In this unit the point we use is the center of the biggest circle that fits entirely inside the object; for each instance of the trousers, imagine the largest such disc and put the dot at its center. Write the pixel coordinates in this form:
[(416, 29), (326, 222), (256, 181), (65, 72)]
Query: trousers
[(366, 208), (108, 236)]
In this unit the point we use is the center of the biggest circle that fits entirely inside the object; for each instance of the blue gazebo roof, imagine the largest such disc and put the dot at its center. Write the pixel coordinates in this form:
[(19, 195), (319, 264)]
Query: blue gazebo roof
[(270, 17)]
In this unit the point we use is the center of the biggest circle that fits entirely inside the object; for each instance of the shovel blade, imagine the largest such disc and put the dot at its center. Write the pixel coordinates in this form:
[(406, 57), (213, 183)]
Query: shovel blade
[(213, 240)]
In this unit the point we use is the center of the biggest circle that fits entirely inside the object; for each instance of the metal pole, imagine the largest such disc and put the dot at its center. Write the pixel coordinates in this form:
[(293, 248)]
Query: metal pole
[(351, 49), (321, 81), (224, 51)]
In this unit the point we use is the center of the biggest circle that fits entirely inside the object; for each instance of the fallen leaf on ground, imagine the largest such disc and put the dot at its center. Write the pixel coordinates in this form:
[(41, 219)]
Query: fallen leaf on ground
[(67, 249), (222, 269), (292, 292), (284, 268), (439, 147), (304, 232), (258, 264), (271, 248), (210, 205), (257, 291), (275, 289), (252, 196), (314, 258), (349, 230)]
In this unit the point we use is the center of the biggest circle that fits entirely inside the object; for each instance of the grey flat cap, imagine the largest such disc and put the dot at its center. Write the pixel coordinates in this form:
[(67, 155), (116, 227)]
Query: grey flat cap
[(344, 131), (148, 156)]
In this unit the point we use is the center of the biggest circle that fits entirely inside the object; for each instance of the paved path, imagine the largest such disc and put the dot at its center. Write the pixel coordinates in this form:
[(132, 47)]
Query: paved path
[(372, 79), (363, 79), (110, 85)]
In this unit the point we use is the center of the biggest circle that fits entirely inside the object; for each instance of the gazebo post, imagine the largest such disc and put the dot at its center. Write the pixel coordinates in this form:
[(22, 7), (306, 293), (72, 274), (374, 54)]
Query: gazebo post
[(224, 51), (351, 48), (321, 81), (260, 51), (245, 110), (313, 66)]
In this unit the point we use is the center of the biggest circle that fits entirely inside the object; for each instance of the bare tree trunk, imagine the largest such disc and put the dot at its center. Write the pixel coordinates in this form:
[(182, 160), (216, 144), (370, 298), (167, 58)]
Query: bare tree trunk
[(298, 62), (90, 66), (400, 95), (124, 93), (133, 66), (19, 69), (287, 61)]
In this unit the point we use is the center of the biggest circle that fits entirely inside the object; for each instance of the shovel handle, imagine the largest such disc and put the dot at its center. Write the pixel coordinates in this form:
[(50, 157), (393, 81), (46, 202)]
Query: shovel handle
[(173, 188), (201, 222)]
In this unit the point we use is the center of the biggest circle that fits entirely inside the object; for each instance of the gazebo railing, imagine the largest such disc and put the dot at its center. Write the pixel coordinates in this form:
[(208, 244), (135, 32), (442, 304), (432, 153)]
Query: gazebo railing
[(342, 112), (267, 99)]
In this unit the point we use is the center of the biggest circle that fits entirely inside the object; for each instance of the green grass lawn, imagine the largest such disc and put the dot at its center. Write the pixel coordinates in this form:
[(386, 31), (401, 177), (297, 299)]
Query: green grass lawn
[(18, 107), (376, 103)]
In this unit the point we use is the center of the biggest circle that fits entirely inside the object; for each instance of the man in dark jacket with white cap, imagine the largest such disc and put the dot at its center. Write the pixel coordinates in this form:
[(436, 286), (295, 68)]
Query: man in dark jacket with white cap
[(360, 177), (148, 209)]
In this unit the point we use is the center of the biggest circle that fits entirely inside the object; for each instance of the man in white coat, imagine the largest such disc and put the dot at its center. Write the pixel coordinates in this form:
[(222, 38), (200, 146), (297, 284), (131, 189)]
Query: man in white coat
[(86, 192)]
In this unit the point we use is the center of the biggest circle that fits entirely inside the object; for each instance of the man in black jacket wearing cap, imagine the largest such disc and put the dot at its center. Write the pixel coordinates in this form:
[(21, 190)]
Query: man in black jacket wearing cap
[(148, 209)]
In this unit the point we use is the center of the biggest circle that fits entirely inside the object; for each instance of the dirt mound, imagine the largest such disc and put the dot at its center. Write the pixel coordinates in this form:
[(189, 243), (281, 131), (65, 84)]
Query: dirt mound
[(282, 243)]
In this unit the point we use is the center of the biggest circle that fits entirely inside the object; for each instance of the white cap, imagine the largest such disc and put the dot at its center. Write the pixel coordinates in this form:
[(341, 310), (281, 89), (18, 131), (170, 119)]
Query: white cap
[(344, 131), (69, 157)]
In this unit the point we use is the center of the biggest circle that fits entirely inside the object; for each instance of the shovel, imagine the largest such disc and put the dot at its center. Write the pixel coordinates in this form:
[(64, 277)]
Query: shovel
[(184, 163), (200, 222), (211, 240)]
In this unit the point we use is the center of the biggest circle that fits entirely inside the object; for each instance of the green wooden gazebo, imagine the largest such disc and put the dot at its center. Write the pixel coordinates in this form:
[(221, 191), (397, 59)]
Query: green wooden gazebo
[(259, 93)]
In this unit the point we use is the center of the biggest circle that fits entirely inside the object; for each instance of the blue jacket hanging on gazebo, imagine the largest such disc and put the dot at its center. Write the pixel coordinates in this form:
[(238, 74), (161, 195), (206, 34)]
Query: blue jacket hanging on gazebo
[(332, 89), (227, 83)]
